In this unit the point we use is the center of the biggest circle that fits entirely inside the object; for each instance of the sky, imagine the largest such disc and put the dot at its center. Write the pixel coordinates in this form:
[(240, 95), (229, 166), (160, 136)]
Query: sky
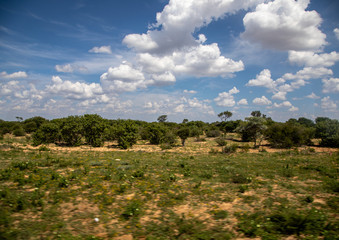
[(187, 59)]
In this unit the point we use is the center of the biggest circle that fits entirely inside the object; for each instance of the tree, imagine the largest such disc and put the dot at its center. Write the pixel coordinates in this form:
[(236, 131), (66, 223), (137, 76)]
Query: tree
[(252, 130), (306, 122), (287, 135), (47, 133), (126, 132), (256, 114), (162, 118), (93, 127), (183, 133), (225, 115), (155, 133), (71, 130), (328, 131)]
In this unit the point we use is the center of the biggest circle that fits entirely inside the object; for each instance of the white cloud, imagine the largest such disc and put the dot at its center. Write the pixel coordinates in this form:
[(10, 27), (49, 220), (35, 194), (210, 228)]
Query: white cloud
[(162, 79), (331, 85), (336, 32), (283, 104), (280, 95), (14, 75), (190, 91), (284, 25), (313, 96), (102, 49), (154, 64), (262, 80), (328, 105), (311, 59), (293, 109), (205, 60), (178, 20), (226, 99), (74, 90), (262, 101), (124, 78), (69, 68), (243, 102), (309, 73)]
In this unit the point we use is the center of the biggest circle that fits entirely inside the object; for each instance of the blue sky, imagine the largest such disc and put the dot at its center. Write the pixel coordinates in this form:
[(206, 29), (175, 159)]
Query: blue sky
[(183, 58)]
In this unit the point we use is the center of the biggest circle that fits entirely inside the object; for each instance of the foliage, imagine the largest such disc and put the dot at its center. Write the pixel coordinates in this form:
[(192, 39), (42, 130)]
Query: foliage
[(156, 133), (93, 128), (225, 115), (47, 133), (287, 135), (162, 118), (71, 130), (126, 132), (19, 132), (252, 129), (183, 133), (328, 131)]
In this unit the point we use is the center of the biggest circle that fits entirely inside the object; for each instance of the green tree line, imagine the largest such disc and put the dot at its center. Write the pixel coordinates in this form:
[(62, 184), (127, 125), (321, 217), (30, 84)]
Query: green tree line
[(94, 130)]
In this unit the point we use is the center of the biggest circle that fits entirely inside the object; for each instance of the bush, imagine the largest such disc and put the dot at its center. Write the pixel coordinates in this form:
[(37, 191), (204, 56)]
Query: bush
[(71, 130), (328, 131), (221, 141), (93, 127), (230, 149), (126, 132), (47, 133), (213, 133), (287, 135), (19, 132), (156, 132), (183, 133)]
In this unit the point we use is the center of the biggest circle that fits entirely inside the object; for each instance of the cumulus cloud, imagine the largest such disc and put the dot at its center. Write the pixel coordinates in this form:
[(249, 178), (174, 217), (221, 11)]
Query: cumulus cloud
[(283, 104), (226, 99), (309, 73), (331, 85), (262, 101), (15, 75), (69, 68), (243, 102), (178, 20), (279, 95), (124, 78), (205, 60), (313, 96), (162, 79), (262, 80), (311, 59), (102, 49), (190, 91), (284, 25), (74, 90), (328, 105)]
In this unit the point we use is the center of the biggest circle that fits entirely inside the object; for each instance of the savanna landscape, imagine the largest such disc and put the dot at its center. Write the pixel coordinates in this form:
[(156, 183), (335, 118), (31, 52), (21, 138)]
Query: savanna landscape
[(136, 180)]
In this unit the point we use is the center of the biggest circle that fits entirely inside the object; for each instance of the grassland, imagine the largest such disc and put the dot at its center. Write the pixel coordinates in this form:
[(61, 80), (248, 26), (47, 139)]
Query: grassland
[(189, 192)]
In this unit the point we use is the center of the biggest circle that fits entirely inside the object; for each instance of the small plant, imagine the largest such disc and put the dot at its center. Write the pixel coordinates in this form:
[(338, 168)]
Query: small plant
[(43, 148), (230, 149), (219, 214), (132, 209), (221, 141)]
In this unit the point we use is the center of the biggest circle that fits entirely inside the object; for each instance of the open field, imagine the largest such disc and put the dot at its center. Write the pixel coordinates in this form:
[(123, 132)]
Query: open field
[(189, 192)]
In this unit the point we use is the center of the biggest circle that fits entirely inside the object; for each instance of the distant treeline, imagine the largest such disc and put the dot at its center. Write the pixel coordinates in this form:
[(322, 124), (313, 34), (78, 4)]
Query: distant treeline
[(94, 130)]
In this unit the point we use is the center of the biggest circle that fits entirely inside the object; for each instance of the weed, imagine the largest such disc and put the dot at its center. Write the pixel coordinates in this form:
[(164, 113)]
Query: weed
[(132, 209)]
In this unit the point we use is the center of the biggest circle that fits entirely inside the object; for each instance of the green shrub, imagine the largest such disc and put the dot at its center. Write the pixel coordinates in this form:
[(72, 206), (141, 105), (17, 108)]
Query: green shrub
[(328, 131), (71, 130), (221, 141), (47, 133), (287, 135), (230, 149), (19, 132), (93, 129), (183, 133)]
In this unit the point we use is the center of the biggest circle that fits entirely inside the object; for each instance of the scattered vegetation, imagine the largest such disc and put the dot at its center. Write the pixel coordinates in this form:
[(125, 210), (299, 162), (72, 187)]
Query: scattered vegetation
[(65, 188)]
